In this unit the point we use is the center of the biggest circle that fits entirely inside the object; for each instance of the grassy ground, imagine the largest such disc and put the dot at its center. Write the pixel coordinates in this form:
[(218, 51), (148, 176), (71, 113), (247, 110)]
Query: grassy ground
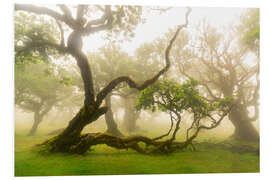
[(108, 161)]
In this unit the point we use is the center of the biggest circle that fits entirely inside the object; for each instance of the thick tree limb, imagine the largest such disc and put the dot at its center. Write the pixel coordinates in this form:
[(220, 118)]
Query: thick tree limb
[(131, 83)]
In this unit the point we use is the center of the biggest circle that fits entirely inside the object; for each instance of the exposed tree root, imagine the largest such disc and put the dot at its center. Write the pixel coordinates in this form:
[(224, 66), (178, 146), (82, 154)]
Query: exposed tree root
[(79, 144), (140, 144)]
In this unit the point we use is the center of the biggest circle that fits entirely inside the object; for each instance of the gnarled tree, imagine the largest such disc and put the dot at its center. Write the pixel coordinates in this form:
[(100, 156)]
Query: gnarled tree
[(71, 140), (226, 68), (38, 90)]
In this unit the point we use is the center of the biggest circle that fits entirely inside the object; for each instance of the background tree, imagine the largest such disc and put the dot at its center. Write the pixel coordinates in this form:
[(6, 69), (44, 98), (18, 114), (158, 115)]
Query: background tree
[(109, 63), (71, 140), (225, 68), (225, 64), (38, 89), (145, 66)]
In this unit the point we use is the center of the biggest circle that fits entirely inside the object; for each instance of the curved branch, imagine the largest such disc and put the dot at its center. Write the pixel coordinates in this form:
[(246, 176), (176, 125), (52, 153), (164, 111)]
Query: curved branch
[(132, 84), (160, 137), (188, 141)]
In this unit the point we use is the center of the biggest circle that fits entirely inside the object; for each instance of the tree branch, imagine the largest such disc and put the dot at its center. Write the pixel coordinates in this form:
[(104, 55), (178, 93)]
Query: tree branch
[(80, 12), (103, 23), (189, 140), (45, 11), (132, 84), (160, 137), (209, 90)]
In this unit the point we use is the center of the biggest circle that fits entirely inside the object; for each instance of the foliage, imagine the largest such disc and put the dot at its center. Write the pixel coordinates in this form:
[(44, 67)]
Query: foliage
[(222, 65), (39, 84), (167, 95), (30, 28), (175, 99)]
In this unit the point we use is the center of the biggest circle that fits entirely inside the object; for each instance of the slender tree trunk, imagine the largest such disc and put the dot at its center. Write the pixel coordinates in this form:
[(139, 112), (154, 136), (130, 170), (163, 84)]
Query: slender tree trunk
[(111, 124), (244, 130), (37, 120)]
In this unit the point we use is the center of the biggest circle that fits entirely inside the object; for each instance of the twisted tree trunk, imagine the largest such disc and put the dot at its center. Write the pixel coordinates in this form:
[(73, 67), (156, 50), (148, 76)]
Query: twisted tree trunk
[(71, 140), (91, 111)]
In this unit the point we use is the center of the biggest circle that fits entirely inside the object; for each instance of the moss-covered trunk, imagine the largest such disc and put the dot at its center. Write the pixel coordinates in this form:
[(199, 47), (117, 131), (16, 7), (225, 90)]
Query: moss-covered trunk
[(68, 140)]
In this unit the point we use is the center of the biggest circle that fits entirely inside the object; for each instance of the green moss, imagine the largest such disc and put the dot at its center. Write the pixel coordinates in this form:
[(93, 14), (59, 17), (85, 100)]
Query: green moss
[(83, 111)]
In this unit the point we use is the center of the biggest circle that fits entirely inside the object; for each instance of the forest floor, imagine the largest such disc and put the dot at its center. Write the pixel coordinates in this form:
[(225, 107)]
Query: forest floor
[(104, 160)]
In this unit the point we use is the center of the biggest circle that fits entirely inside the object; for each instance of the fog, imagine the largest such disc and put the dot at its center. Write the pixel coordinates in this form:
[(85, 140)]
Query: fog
[(215, 50)]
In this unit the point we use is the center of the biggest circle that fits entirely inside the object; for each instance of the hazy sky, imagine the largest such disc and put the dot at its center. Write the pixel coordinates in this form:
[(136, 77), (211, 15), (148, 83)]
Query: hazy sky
[(158, 24)]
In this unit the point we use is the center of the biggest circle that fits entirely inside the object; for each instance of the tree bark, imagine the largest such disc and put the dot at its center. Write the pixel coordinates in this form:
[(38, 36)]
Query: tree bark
[(110, 122), (71, 135), (244, 130)]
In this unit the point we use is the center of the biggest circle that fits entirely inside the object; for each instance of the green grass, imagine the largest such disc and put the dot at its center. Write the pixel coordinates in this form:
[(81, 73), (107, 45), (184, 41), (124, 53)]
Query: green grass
[(104, 160)]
